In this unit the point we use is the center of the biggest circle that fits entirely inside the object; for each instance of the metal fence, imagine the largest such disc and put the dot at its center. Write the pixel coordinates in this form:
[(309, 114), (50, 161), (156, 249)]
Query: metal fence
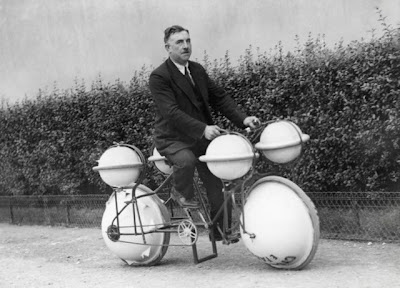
[(368, 216), (76, 211), (372, 216)]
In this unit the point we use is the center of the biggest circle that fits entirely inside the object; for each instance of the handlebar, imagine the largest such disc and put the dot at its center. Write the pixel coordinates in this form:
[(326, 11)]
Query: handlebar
[(253, 134), (248, 130)]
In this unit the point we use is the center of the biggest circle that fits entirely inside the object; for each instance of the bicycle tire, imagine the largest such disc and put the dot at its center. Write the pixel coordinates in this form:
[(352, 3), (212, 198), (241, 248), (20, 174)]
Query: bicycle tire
[(131, 248), (266, 197)]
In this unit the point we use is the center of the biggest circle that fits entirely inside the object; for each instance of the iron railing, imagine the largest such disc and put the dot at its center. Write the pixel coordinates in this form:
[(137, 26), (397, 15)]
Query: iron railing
[(368, 216)]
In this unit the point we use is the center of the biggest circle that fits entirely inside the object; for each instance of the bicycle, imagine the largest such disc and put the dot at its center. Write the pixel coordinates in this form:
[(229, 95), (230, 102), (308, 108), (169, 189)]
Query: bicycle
[(278, 222)]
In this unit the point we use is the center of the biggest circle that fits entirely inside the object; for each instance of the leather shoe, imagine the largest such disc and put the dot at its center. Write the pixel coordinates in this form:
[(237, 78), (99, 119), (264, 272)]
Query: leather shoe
[(218, 237), (229, 238), (183, 202)]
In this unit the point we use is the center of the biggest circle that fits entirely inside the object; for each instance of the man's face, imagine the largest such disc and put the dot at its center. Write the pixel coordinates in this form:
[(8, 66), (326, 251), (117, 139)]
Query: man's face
[(179, 47)]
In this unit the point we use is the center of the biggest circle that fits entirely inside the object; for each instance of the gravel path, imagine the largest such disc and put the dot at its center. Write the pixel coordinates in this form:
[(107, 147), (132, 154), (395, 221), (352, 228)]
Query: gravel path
[(40, 256)]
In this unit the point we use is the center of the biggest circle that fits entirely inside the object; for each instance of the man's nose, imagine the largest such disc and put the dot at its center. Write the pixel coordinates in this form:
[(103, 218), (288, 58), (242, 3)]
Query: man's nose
[(185, 44)]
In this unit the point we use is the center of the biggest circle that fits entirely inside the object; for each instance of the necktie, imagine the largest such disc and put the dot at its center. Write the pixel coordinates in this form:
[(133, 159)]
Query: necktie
[(188, 77)]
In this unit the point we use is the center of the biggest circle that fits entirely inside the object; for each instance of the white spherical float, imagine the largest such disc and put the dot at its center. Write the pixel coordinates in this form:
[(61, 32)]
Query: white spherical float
[(281, 223), (281, 141), (135, 243), (160, 162), (229, 156), (120, 165)]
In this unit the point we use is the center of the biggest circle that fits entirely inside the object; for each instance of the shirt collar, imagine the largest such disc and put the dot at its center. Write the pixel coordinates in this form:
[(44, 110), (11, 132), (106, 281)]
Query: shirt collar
[(180, 67)]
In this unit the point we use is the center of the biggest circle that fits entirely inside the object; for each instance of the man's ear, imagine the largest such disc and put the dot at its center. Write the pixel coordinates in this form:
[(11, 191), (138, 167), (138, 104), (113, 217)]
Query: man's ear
[(166, 47)]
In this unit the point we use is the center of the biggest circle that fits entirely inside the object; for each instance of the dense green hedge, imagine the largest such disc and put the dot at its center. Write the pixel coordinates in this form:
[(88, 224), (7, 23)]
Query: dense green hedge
[(346, 98)]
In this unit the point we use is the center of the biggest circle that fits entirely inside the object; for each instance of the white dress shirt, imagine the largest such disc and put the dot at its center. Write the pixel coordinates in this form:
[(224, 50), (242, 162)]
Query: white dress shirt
[(181, 68)]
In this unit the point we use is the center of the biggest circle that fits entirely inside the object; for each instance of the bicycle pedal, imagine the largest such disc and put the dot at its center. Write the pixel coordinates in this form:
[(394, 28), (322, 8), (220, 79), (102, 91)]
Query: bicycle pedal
[(179, 218)]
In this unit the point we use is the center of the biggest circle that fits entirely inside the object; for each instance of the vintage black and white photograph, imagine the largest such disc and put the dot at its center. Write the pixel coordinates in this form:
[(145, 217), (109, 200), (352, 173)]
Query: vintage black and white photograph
[(200, 143)]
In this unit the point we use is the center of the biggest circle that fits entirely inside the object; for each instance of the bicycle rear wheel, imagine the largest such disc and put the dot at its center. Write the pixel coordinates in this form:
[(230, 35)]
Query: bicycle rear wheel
[(281, 223), (133, 249)]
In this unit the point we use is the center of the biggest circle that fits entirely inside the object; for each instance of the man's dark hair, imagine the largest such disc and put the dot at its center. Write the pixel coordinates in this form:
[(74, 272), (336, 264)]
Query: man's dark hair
[(172, 30)]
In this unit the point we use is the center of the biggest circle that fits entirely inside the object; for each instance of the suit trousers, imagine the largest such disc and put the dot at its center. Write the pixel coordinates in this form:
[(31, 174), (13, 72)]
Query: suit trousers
[(185, 162)]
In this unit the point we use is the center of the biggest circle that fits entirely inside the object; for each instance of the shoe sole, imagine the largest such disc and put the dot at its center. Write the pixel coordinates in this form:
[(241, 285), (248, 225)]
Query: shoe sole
[(177, 200)]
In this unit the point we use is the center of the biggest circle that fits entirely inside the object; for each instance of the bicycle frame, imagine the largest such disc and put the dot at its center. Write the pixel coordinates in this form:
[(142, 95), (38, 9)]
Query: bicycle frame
[(229, 195), (174, 224)]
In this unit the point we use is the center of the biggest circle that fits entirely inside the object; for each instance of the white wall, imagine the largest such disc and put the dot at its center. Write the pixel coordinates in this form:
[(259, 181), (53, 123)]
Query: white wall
[(47, 41)]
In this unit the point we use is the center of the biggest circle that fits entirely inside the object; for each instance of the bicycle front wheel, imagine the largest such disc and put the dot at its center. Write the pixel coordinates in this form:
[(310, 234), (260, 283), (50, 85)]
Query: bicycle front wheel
[(135, 243), (280, 224)]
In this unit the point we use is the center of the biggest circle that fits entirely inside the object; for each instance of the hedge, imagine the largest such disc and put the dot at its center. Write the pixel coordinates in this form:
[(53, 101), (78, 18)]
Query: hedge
[(346, 98)]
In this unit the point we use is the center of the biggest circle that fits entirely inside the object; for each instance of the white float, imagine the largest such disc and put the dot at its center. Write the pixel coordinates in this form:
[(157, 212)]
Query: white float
[(283, 221), (119, 166), (229, 156), (146, 249), (281, 141), (160, 162)]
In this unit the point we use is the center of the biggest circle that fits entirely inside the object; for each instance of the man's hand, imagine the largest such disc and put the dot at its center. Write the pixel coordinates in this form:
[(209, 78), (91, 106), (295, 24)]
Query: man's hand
[(212, 131), (251, 122)]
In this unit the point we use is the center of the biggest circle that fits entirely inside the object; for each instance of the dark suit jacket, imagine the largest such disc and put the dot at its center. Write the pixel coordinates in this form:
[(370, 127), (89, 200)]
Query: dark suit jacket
[(180, 121)]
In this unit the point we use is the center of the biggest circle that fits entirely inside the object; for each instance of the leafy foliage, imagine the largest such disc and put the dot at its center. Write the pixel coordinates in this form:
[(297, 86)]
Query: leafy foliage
[(345, 98)]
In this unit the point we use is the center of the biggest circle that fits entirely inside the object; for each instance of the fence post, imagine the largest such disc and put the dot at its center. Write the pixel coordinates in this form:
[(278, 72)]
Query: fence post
[(11, 209), (68, 212), (47, 218), (356, 209)]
